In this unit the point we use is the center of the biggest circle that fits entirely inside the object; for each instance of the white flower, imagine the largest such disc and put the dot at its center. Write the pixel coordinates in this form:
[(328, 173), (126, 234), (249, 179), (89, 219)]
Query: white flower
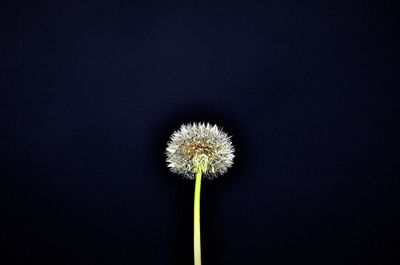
[(199, 144)]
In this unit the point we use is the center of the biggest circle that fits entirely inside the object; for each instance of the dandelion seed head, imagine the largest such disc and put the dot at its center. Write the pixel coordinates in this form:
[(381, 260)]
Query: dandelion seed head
[(199, 144)]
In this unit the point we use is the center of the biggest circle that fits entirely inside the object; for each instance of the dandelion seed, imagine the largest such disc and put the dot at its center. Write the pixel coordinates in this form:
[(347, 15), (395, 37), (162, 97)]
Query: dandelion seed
[(200, 144)]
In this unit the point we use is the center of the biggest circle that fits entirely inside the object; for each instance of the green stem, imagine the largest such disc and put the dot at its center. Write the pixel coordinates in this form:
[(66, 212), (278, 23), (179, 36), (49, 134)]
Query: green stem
[(196, 230)]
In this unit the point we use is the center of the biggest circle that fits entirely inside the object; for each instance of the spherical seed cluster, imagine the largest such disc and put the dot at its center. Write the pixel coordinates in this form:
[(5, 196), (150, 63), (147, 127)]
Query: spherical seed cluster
[(199, 144)]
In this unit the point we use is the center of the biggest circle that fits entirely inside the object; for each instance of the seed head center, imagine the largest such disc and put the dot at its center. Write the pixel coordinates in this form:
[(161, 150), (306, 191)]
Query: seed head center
[(198, 148)]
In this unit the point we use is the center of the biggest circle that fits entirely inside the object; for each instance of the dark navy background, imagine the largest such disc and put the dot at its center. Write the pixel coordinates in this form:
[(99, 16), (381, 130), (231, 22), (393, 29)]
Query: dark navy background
[(91, 91)]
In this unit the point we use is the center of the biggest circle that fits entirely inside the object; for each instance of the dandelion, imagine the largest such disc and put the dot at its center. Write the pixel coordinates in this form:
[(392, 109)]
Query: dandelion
[(195, 150)]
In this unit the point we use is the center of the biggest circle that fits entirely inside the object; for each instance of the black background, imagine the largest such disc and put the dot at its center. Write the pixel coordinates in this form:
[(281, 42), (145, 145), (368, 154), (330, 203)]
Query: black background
[(92, 90)]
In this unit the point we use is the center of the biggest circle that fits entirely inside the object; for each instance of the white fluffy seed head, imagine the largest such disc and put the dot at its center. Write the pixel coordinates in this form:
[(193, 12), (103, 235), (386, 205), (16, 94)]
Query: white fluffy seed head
[(199, 144)]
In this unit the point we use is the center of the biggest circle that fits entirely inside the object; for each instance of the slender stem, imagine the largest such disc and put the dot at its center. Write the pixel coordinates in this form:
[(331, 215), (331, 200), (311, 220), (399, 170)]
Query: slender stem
[(196, 230)]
